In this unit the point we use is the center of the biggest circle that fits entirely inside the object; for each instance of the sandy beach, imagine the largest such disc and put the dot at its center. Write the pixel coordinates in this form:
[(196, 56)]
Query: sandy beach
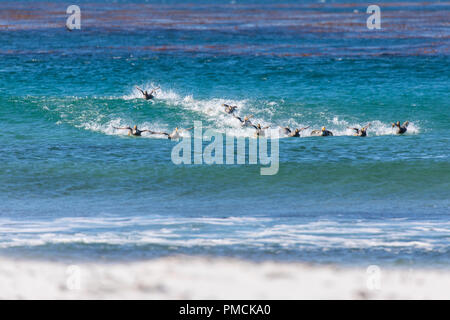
[(204, 278)]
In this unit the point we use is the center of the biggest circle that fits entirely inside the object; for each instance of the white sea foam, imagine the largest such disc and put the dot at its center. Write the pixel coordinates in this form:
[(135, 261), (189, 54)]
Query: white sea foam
[(109, 128), (231, 231), (212, 111), (340, 127), (159, 94)]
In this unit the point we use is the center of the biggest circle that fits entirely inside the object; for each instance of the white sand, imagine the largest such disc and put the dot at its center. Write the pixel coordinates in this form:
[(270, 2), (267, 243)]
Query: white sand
[(202, 278)]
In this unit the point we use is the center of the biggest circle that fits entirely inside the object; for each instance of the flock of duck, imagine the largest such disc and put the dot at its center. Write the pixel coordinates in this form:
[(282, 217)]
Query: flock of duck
[(260, 131), (246, 123)]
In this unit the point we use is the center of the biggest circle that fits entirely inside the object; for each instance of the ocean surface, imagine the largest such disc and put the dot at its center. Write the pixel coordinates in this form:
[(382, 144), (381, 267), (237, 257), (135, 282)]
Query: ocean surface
[(73, 188)]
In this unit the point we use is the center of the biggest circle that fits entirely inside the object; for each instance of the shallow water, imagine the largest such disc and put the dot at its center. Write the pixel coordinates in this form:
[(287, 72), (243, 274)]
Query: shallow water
[(72, 187)]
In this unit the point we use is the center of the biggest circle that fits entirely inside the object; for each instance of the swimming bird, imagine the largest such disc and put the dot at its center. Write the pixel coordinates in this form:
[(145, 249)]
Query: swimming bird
[(401, 129), (260, 131), (146, 94), (295, 133), (246, 122), (134, 131), (174, 135), (361, 132), (321, 133), (286, 130), (229, 109)]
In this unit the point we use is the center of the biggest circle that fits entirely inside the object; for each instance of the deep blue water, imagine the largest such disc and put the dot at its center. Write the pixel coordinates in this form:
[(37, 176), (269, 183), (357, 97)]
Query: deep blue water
[(73, 187)]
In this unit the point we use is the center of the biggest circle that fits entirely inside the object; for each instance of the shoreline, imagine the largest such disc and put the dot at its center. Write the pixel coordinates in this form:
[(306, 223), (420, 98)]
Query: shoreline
[(184, 277)]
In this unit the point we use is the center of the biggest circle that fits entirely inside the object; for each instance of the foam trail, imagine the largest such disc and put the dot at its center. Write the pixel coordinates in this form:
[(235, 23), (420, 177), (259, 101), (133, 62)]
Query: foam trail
[(213, 111), (177, 231), (108, 128), (222, 122), (377, 128), (136, 94)]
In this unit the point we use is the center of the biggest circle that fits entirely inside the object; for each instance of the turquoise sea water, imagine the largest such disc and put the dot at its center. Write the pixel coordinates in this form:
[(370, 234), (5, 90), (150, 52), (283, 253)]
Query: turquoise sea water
[(72, 187)]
